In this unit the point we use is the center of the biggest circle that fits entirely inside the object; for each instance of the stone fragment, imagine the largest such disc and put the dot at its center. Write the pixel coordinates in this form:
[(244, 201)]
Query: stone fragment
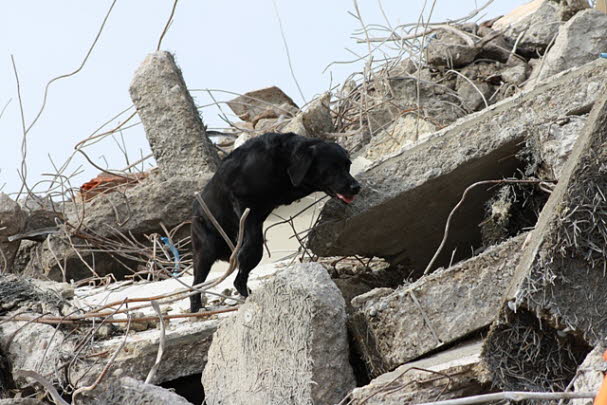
[(554, 304), (590, 375), (12, 221), (451, 50), (474, 94), (172, 124), (185, 354), (407, 197), (516, 74), (252, 105), (579, 41), (453, 373), (286, 345), (317, 116), (404, 131), (531, 26), (129, 391), (439, 309)]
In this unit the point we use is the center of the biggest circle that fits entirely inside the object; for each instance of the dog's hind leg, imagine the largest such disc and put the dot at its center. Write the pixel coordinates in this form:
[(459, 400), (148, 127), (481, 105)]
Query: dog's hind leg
[(205, 254), (250, 253)]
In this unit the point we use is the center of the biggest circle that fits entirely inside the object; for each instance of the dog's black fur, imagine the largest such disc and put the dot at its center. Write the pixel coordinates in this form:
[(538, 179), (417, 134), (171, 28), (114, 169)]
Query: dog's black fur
[(265, 172)]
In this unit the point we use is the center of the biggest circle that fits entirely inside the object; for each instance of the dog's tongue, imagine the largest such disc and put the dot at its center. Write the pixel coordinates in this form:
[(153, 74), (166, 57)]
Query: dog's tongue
[(345, 198)]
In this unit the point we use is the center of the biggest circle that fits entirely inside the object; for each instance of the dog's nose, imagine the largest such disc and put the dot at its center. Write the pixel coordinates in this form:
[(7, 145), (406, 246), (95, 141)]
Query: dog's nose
[(355, 188)]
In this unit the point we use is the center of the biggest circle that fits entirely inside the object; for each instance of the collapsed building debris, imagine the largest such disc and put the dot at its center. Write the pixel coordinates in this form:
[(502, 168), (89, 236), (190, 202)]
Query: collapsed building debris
[(408, 196), (558, 286), (292, 333), (396, 326), (512, 301)]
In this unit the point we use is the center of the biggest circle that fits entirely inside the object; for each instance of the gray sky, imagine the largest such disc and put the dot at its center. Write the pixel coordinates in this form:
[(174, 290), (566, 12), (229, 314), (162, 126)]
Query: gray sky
[(233, 45)]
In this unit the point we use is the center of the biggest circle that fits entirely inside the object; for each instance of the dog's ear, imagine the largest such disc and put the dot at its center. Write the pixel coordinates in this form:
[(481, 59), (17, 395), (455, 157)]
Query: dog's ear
[(301, 160)]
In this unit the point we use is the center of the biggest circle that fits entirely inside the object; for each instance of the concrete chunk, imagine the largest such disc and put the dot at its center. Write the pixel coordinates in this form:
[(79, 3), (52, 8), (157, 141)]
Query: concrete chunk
[(555, 304), (286, 345), (129, 391), (454, 373), (406, 197), (561, 276), (12, 221), (441, 308), (170, 118)]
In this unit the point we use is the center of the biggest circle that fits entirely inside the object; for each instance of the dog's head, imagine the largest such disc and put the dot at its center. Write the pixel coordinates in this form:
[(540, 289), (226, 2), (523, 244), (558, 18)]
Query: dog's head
[(323, 166)]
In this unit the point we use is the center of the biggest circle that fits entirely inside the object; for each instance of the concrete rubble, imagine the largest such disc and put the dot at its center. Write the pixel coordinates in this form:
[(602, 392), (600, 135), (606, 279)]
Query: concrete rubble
[(305, 360), (398, 193), (455, 372), (560, 277), (400, 325), (427, 287)]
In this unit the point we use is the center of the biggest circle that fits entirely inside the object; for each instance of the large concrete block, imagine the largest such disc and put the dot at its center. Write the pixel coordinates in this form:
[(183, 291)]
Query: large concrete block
[(286, 345), (12, 221), (172, 124), (407, 197), (392, 328), (554, 307), (450, 374)]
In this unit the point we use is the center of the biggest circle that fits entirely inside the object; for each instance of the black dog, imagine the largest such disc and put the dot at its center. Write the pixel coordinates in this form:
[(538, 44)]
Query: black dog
[(263, 173)]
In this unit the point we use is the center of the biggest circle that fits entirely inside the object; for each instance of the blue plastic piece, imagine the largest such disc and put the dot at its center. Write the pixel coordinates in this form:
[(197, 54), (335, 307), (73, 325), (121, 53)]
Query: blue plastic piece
[(603, 55), (174, 252)]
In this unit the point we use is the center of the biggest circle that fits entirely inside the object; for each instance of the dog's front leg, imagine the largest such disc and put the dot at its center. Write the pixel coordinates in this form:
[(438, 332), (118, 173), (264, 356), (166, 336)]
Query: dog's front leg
[(250, 253)]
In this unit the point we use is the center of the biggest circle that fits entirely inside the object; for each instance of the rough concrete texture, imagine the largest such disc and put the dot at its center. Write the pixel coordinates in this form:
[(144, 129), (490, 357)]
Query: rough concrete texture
[(561, 276), (407, 197), (556, 143), (137, 211), (590, 375), (554, 305), (532, 26), (579, 41), (255, 104), (185, 353), (453, 373), (172, 124), (449, 49), (402, 132), (21, 401), (129, 391), (286, 345), (33, 346), (12, 221), (474, 94), (317, 116), (389, 330)]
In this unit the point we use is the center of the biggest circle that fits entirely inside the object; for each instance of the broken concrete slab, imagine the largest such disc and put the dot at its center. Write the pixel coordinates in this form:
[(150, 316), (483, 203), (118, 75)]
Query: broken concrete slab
[(187, 341), (171, 120), (404, 131), (415, 319), (138, 211), (561, 274), (589, 376), (453, 373), (129, 391), (255, 104), (451, 49), (406, 197), (579, 41), (554, 306), (531, 26), (12, 221), (286, 345), (317, 116)]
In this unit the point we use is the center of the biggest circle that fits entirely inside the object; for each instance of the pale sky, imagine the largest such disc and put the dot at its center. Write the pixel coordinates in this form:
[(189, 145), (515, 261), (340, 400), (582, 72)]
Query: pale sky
[(232, 45)]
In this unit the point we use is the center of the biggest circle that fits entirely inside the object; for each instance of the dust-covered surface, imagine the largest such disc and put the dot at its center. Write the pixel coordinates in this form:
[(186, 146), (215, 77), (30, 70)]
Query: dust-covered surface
[(286, 345), (437, 310), (407, 197)]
